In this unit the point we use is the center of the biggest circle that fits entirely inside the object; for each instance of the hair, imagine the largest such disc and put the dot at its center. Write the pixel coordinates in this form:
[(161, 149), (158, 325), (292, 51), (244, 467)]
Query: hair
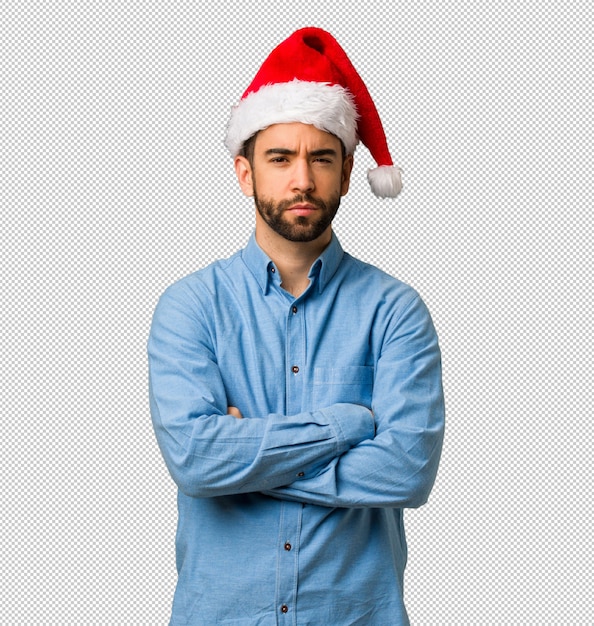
[(247, 149)]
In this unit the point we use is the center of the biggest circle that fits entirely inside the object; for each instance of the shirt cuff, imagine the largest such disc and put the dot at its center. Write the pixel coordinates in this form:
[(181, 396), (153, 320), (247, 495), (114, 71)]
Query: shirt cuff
[(353, 423)]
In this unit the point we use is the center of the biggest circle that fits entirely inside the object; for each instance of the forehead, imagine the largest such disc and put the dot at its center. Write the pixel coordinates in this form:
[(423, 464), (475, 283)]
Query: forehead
[(294, 136)]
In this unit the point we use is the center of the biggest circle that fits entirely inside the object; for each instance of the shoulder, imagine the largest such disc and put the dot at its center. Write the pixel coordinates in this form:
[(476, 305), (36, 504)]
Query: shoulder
[(203, 282), (193, 296), (376, 283), (394, 304)]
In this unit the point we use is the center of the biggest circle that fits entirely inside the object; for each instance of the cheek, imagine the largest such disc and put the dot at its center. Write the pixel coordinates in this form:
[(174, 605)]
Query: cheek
[(270, 184)]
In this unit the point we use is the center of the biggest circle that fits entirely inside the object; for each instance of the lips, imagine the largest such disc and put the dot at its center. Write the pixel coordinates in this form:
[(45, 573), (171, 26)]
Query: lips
[(302, 209)]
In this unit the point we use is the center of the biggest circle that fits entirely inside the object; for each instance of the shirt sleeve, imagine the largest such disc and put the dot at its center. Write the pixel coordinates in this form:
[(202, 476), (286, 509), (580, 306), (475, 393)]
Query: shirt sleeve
[(210, 453), (397, 467)]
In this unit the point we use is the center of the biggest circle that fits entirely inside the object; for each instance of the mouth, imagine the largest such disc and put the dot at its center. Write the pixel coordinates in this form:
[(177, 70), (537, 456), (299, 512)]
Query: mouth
[(302, 210)]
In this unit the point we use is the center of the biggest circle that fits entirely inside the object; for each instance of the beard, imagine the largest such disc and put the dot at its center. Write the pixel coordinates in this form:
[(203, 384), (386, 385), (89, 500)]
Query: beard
[(299, 228)]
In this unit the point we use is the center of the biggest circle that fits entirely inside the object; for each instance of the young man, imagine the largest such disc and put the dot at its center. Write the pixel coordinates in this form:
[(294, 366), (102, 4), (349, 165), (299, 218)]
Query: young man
[(295, 391)]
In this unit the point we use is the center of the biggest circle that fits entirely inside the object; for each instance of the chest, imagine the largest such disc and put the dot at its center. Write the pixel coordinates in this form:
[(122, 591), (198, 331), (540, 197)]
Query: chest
[(286, 356)]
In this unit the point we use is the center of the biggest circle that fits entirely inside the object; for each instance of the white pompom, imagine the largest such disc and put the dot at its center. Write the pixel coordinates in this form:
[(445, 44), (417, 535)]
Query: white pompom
[(385, 181)]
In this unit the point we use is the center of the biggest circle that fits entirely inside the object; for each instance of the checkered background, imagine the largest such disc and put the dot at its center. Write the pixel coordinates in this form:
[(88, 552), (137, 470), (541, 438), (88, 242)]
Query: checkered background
[(114, 182)]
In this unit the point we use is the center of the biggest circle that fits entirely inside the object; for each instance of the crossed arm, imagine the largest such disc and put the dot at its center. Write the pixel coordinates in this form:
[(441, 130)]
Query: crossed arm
[(342, 455)]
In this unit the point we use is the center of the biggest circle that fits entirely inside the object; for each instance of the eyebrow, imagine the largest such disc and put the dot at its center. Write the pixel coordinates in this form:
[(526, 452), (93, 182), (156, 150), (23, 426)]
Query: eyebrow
[(314, 153)]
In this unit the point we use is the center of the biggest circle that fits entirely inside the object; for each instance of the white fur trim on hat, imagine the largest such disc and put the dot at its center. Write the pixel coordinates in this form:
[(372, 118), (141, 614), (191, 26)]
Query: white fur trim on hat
[(385, 181), (330, 108)]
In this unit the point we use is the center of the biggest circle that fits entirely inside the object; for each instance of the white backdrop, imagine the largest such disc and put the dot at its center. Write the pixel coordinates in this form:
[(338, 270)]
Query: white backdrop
[(114, 182)]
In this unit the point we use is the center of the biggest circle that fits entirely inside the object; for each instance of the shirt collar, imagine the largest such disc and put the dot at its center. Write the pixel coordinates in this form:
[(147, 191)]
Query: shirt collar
[(263, 269)]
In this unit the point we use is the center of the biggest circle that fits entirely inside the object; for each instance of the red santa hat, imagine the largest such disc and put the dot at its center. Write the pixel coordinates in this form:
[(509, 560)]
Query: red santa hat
[(308, 78)]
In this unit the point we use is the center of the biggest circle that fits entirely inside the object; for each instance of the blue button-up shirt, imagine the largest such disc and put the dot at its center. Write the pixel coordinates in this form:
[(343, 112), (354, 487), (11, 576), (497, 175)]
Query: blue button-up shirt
[(293, 514)]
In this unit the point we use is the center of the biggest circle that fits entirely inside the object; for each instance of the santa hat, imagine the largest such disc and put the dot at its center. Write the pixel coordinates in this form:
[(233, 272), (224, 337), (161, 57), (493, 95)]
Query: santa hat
[(308, 78)]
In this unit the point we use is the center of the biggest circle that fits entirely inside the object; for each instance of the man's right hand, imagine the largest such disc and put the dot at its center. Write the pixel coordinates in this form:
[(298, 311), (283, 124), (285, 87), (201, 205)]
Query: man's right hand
[(233, 410)]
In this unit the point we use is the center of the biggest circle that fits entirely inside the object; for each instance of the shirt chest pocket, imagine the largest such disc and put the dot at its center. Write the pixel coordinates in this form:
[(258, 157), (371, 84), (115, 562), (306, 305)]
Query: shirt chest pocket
[(352, 384)]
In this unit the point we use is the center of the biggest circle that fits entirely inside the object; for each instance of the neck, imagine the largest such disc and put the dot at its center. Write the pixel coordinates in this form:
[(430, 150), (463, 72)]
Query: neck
[(293, 259)]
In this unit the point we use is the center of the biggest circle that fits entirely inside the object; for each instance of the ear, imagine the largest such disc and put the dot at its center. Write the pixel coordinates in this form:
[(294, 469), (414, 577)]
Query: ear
[(347, 168), (243, 170)]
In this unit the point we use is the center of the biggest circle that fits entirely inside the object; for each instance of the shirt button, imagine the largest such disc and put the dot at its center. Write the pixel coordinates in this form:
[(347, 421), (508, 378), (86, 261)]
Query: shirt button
[(287, 546), (301, 474), (284, 608), (273, 270), (294, 309), (295, 369)]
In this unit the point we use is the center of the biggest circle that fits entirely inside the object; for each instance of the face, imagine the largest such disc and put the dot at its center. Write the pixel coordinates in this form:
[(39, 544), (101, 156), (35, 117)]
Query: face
[(297, 177)]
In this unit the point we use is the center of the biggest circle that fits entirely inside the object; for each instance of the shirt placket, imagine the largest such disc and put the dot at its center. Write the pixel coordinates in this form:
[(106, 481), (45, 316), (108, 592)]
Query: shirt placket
[(290, 519), (288, 563), (295, 370)]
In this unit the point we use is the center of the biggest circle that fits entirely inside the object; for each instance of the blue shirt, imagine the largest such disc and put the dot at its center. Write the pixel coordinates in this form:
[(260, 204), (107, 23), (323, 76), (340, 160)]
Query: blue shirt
[(293, 515)]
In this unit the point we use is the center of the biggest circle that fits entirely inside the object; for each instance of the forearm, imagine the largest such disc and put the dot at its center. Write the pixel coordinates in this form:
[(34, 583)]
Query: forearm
[(209, 453), (396, 468)]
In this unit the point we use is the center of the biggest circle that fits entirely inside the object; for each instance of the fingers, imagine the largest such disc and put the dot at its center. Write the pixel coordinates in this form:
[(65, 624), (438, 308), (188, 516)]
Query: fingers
[(233, 410)]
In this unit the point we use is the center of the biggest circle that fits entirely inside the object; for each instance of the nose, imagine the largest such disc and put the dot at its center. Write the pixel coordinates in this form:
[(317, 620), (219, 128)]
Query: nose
[(302, 176)]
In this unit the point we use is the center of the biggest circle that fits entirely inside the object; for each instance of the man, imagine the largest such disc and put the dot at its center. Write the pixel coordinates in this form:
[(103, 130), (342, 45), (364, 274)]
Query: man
[(295, 391)]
